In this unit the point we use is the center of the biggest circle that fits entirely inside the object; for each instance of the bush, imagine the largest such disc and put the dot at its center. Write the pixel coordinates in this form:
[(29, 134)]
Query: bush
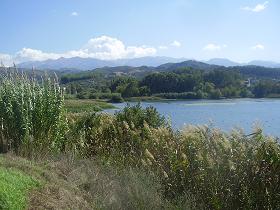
[(116, 99), (82, 95), (215, 94), (93, 96), (135, 116), (103, 95)]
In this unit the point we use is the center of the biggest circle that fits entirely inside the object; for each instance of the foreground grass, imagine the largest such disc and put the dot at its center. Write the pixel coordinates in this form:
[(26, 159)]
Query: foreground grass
[(14, 187), (66, 183), (28, 184), (86, 105)]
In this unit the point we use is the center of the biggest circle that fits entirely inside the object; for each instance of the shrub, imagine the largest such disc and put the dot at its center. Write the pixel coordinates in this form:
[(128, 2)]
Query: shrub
[(82, 95), (215, 94), (136, 116), (101, 95), (116, 99)]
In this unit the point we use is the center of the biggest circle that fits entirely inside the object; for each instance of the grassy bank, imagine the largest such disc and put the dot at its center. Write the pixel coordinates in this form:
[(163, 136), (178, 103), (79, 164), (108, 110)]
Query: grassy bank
[(14, 187), (86, 105), (66, 183), (41, 184), (144, 98)]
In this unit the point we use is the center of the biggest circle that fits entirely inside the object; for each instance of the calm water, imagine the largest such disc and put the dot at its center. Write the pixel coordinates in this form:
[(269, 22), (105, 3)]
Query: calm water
[(225, 114)]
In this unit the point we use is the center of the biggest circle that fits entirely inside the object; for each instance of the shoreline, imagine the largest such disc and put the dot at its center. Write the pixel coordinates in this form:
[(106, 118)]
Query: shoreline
[(156, 99)]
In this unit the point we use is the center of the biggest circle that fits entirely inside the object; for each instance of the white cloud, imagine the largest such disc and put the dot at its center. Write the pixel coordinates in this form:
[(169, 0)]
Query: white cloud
[(104, 47), (35, 55), (108, 48), (6, 59), (74, 14), (214, 47), (136, 52), (176, 44), (258, 47), (257, 8), (163, 47)]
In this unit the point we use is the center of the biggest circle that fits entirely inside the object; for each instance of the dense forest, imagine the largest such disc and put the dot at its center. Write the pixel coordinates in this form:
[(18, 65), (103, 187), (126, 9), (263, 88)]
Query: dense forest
[(174, 81)]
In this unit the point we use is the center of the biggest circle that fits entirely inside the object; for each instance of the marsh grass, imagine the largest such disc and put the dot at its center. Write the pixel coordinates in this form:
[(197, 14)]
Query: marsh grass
[(216, 170)]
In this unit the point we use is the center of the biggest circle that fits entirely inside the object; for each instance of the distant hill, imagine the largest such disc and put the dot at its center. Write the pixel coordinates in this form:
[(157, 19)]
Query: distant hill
[(270, 64), (64, 66), (148, 61), (190, 63), (140, 72), (222, 62), (77, 63), (228, 63), (67, 63)]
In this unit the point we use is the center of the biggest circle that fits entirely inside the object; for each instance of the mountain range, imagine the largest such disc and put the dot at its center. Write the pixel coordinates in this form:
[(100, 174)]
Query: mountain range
[(77, 63), (228, 63)]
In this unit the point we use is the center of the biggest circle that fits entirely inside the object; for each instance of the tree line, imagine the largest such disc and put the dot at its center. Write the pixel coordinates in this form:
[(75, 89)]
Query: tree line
[(182, 83)]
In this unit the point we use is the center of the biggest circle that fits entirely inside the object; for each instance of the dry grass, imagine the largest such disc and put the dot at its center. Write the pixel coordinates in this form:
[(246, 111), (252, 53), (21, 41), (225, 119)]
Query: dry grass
[(87, 184), (57, 192)]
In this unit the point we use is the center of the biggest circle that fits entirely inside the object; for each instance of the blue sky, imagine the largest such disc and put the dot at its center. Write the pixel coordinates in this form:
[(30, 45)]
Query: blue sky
[(241, 30)]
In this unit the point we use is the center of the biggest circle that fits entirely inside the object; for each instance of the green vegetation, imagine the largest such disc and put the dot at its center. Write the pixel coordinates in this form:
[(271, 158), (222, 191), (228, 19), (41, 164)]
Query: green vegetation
[(32, 114), (199, 165), (117, 99), (144, 98), (184, 84), (266, 88), (56, 188), (67, 183), (14, 188), (186, 80), (86, 105), (132, 159)]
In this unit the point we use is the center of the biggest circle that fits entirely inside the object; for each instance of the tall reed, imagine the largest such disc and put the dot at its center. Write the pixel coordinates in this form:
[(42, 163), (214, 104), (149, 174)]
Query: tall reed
[(31, 113), (216, 170)]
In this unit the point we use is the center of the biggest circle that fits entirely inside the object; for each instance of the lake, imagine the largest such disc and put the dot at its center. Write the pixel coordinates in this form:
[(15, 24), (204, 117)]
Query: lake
[(225, 114)]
